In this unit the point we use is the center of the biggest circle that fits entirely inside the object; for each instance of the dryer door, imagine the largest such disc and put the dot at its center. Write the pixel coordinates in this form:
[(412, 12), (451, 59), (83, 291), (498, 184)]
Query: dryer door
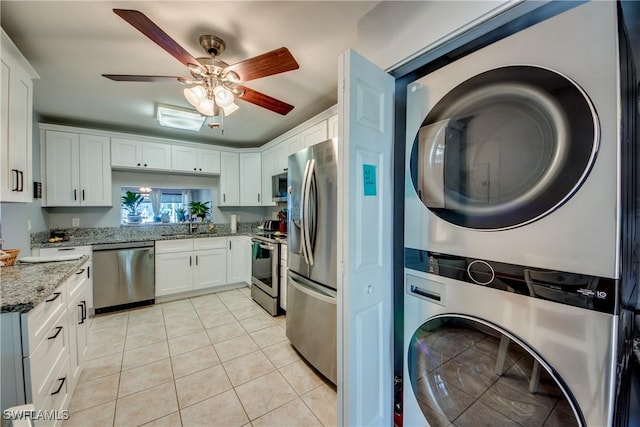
[(505, 148), (467, 372)]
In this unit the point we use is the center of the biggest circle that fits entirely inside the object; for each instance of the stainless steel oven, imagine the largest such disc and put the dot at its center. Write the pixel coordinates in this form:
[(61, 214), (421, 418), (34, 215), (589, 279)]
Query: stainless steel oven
[(265, 273)]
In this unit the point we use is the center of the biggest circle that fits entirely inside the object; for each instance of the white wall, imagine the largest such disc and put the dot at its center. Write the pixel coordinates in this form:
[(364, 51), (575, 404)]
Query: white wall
[(394, 32)]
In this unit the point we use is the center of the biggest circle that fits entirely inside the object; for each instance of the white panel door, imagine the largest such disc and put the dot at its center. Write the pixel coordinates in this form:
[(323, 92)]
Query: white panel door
[(315, 134), (208, 161), (229, 179), (126, 153), (250, 179), (156, 156), (62, 184), (95, 171), (282, 158), (210, 268), (268, 170), (183, 159), (239, 259), (174, 273), (365, 330)]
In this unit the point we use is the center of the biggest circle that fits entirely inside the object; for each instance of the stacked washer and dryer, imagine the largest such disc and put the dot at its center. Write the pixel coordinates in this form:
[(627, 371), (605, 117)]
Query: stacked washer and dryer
[(520, 195)]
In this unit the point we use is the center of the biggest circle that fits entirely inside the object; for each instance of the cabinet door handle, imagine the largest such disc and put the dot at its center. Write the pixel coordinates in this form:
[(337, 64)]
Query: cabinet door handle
[(54, 336), (195, 169), (224, 197), (80, 271), (89, 272), (55, 297), (229, 244), (200, 169), (81, 307), (196, 259), (84, 310), (16, 179), (66, 249), (75, 194), (21, 181), (258, 197), (62, 381), (190, 261), (82, 194), (145, 165), (139, 164)]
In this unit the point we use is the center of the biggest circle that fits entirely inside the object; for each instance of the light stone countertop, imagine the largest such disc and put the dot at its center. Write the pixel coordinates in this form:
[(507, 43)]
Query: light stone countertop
[(24, 286)]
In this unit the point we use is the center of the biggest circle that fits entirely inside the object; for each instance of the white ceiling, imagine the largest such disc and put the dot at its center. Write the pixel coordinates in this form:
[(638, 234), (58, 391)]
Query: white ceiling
[(71, 43)]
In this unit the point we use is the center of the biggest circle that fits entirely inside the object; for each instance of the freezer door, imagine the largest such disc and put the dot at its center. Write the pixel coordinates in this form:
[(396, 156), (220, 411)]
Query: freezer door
[(312, 324)]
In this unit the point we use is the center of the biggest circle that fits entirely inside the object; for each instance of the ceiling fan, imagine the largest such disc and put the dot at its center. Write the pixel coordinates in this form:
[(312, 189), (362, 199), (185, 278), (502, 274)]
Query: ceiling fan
[(216, 83)]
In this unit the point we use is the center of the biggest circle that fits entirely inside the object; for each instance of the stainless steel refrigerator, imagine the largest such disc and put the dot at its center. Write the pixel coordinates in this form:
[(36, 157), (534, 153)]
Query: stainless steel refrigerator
[(312, 255)]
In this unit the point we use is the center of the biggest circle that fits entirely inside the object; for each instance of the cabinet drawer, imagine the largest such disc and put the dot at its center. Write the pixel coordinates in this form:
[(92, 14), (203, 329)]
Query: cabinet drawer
[(41, 366), (76, 283), (178, 245), (56, 395), (37, 324), (69, 250), (210, 243)]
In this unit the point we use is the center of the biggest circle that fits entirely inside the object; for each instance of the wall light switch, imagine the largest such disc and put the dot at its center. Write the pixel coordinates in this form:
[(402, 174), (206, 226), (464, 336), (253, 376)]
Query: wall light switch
[(75, 222)]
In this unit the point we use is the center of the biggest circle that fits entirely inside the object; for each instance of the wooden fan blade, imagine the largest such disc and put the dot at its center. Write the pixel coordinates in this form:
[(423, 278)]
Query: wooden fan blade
[(133, 78), (270, 63), (264, 101), (143, 24)]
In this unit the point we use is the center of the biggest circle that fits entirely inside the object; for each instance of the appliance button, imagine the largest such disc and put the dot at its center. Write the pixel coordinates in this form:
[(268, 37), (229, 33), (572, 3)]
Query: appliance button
[(480, 272)]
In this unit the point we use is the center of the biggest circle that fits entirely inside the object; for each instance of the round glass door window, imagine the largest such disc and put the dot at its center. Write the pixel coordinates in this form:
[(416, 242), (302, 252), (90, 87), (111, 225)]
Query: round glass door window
[(466, 373), (505, 148)]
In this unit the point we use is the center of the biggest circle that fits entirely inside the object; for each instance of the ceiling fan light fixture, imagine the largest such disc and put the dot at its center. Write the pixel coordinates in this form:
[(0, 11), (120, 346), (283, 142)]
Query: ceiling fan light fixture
[(224, 98), (206, 107), (195, 95), (230, 109), (178, 118)]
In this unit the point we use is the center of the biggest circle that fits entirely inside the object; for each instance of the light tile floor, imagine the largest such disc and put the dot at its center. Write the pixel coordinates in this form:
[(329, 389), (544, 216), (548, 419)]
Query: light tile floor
[(213, 360)]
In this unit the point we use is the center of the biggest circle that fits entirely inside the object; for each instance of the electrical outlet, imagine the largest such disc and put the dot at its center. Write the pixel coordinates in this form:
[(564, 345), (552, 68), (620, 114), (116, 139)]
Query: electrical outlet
[(75, 222)]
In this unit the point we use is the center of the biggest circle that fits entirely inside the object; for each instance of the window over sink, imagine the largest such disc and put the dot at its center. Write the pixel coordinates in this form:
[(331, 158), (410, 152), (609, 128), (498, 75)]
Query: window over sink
[(146, 205)]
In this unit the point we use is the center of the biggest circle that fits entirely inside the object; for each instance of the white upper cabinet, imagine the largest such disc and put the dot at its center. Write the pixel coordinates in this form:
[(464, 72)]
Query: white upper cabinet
[(143, 155), (77, 169), (16, 93), (195, 160), (282, 158), (294, 143), (250, 179), (315, 134), (229, 179), (332, 125), (268, 170)]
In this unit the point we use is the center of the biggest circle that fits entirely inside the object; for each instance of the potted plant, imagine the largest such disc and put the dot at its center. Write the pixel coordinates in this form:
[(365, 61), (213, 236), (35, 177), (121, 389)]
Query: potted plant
[(199, 209), (181, 213), (131, 202)]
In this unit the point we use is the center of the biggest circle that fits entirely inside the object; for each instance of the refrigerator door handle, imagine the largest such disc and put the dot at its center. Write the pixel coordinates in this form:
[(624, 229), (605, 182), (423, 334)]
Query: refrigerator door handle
[(311, 288), (303, 225), (306, 235)]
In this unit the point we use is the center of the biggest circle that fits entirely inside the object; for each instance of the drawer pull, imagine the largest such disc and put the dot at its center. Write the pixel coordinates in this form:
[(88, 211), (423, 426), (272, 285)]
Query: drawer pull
[(83, 311), (58, 330), (55, 297), (81, 271), (62, 381), (67, 249)]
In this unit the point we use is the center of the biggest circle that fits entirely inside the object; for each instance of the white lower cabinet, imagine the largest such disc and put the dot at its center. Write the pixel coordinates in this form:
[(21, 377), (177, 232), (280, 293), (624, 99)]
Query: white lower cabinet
[(43, 351), (184, 265), (239, 260)]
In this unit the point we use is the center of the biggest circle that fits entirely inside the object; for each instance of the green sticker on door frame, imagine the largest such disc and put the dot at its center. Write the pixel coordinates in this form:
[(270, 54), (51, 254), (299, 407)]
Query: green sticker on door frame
[(369, 180)]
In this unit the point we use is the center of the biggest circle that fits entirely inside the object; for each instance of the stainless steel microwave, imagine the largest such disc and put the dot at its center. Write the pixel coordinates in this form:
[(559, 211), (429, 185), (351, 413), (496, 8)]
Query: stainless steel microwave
[(279, 187)]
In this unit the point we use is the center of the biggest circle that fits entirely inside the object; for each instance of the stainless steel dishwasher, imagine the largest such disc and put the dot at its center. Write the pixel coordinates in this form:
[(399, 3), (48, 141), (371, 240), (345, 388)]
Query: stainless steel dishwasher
[(124, 275)]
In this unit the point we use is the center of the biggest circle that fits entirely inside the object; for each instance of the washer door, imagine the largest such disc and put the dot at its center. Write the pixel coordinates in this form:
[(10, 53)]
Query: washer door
[(505, 148), (468, 372)]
